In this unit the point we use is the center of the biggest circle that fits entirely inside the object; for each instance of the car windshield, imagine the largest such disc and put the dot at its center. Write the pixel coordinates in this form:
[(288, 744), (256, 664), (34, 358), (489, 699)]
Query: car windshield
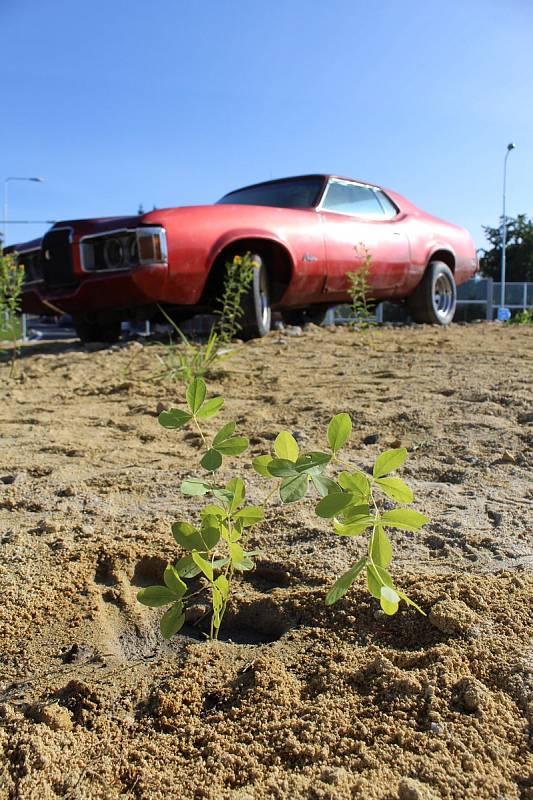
[(292, 193)]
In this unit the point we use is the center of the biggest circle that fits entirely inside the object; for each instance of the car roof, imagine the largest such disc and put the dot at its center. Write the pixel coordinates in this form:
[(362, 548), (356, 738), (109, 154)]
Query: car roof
[(323, 176)]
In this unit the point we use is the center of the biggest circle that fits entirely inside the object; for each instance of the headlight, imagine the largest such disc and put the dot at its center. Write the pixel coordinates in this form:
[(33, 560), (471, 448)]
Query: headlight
[(123, 249), (152, 245), (113, 253)]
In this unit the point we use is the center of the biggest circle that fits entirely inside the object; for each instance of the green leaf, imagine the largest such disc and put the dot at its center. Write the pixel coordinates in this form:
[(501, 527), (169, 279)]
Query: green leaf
[(172, 620), (217, 604), (260, 464), (342, 584), (325, 486), (404, 518), (381, 551), (222, 585), (389, 600), (173, 581), (190, 538), (332, 504), (224, 433), (355, 482), (209, 531), (196, 392), (244, 564), (233, 446), (312, 463), (186, 535), (186, 568), (339, 431), (237, 490), (286, 446), (175, 418), (396, 489), (250, 515), (352, 528), (211, 460), (294, 488), (205, 566), (194, 487), (213, 511), (236, 553), (223, 496), (357, 513), (210, 408), (155, 596), (389, 461), (376, 578), (282, 468)]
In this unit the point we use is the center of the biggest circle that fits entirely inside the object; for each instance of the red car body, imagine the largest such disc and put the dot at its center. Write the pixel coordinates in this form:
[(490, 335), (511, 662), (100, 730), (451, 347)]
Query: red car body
[(124, 267)]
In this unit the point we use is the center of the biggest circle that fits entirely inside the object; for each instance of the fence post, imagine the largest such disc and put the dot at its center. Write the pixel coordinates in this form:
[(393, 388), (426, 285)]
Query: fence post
[(490, 299), (24, 327), (379, 313), (524, 297)]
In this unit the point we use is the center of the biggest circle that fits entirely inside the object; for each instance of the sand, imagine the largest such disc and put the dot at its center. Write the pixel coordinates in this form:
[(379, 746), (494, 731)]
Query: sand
[(297, 700)]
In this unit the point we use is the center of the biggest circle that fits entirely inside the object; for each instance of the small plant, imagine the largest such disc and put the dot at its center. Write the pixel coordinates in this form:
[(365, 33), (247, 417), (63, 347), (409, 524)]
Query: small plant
[(218, 542), (238, 277), (524, 317), (359, 289), (216, 547), (11, 281), (189, 360)]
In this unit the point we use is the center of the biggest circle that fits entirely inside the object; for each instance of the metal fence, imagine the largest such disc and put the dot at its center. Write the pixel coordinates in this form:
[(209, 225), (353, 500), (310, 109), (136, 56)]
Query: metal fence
[(484, 294)]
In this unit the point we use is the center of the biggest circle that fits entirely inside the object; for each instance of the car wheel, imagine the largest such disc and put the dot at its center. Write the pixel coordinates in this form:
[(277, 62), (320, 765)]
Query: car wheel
[(257, 316), (299, 316), (90, 331), (435, 298)]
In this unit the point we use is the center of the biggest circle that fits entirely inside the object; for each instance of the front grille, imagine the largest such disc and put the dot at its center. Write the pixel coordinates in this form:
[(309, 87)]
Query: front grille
[(56, 259)]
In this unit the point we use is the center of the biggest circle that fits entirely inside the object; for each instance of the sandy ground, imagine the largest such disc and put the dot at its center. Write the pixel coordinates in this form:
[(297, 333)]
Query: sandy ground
[(298, 701)]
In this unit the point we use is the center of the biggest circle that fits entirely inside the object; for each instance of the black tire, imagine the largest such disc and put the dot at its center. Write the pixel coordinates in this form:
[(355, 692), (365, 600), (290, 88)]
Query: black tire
[(299, 316), (89, 331), (257, 317), (435, 298)]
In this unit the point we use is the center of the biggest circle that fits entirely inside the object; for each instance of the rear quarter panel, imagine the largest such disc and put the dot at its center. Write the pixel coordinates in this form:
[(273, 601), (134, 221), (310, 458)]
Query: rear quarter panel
[(429, 234)]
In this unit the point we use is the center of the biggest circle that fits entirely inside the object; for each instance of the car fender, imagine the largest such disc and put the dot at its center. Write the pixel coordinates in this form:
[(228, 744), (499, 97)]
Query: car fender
[(233, 236)]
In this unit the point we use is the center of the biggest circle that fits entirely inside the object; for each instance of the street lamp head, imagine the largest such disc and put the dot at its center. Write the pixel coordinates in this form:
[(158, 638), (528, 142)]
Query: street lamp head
[(511, 146), (41, 180)]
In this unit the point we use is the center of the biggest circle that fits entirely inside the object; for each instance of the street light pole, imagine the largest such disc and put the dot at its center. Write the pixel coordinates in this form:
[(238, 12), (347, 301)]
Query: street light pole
[(501, 313), (6, 183)]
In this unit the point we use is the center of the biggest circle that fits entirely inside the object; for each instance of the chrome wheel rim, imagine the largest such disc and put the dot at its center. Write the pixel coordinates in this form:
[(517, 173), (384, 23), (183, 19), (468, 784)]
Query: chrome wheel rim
[(264, 305), (443, 297)]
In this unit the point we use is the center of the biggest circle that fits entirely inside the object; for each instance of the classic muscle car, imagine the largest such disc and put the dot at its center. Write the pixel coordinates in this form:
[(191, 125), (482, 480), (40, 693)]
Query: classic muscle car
[(305, 232)]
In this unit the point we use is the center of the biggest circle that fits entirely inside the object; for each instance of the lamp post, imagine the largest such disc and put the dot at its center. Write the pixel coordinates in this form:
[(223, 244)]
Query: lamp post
[(503, 313), (6, 184)]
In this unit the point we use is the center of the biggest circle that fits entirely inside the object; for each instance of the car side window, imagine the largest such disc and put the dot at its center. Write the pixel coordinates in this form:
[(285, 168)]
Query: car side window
[(388, 206), (350, 198)]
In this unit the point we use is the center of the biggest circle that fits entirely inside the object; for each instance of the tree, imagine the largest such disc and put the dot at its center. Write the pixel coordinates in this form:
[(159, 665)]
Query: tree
[(518, 253)]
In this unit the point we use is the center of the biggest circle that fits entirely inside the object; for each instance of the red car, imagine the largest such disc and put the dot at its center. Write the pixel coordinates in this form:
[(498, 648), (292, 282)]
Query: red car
[(306, 232)]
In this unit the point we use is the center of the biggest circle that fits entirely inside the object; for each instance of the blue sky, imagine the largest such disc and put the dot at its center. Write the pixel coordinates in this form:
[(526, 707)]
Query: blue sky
[(173, 102)]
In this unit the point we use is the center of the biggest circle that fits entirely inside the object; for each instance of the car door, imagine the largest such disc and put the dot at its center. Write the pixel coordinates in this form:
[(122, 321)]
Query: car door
[(359, 219)]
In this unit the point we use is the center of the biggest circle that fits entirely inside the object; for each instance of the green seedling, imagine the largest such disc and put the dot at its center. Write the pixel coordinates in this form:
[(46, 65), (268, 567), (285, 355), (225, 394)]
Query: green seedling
[(216, 547), (238, 277), (187, 361), (359, 291)]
